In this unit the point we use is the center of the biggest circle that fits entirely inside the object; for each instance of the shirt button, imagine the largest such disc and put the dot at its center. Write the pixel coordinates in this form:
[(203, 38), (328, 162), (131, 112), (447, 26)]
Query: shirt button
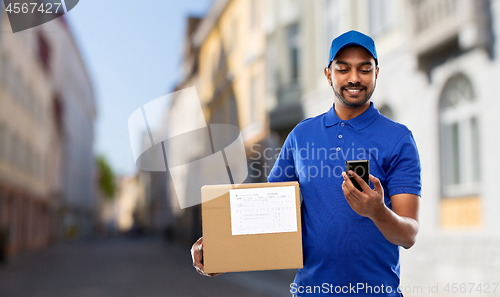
[(338, 148), (342, 124), (340, 135)]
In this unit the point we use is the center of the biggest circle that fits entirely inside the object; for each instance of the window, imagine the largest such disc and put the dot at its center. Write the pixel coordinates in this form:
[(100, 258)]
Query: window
[(28, 163), (253, 100), (271, 65), (30, 101), (16, 86), (382, 16), (40, 166), (41, 113), (460, 164), (294, 46), (36, 165), (7, 145), (21, 155), (44, 53), (3, 142), (5, 71), (332, 15), (14, 151), (57, 111), (23, 94)]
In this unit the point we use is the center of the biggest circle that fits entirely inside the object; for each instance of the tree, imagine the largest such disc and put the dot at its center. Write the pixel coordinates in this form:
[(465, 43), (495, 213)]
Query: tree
[(106, 178)]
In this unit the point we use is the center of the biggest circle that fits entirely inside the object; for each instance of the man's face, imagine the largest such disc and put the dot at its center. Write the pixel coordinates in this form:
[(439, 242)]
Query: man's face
[(353, 75)]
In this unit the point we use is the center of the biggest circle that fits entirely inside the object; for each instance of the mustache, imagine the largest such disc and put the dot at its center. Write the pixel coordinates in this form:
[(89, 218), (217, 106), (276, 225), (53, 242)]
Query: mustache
[(359, 86)]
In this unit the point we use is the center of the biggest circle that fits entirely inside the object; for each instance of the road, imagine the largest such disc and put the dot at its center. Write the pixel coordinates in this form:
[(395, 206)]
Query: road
[(127, 268)]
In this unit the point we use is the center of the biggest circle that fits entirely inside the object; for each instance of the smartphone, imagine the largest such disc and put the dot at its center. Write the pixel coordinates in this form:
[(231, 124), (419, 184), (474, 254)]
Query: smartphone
[(361, 168)]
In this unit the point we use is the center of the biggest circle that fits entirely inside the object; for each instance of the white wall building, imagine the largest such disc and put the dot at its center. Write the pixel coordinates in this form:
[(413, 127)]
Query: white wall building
[(46, 135), (74, 91), (27, 183)]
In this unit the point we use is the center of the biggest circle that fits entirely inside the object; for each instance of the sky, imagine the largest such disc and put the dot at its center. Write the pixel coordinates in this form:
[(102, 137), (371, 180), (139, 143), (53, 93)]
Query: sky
[(132, 51)]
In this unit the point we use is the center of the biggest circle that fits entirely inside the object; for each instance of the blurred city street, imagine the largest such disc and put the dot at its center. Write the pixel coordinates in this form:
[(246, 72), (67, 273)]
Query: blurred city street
[(126, 267)]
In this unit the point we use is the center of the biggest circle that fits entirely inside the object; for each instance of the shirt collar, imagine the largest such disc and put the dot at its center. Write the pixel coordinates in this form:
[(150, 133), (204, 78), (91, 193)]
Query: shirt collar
[(360, 122)]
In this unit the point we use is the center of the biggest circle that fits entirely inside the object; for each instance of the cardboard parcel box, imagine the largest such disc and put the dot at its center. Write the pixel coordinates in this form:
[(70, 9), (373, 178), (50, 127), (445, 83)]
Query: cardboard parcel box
[(251, 227)]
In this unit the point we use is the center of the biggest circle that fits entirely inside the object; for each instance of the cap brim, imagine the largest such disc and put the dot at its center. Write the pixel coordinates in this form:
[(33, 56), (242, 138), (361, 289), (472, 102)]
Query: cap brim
[(352, 43)]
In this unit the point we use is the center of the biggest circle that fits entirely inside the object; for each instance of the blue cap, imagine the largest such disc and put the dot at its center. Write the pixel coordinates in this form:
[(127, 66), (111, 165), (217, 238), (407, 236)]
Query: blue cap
[(352, 38)]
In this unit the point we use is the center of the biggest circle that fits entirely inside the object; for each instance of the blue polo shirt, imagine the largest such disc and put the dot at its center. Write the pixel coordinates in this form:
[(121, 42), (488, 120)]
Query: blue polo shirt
[(345, 253)]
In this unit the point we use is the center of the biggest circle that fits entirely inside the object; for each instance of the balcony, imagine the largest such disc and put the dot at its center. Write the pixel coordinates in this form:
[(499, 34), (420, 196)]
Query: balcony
[(444, 28)]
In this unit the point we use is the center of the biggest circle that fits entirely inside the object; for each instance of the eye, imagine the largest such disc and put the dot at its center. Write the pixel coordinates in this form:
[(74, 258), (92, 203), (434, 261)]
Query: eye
[(342, 70), (365, 71)]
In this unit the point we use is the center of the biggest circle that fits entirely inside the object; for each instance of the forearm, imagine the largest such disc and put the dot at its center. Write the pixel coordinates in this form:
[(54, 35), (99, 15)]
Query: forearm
[(397, 229)]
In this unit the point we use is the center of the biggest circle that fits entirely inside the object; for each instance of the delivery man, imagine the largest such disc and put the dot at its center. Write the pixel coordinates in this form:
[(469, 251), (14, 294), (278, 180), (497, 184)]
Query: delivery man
[(351, 238)]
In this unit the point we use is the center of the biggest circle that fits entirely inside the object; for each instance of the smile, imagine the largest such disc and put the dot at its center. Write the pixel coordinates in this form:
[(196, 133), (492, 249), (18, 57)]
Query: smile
[(353, 91)]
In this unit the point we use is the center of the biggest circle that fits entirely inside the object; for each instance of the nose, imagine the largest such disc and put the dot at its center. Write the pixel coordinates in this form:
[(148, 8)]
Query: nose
[(354, 77)]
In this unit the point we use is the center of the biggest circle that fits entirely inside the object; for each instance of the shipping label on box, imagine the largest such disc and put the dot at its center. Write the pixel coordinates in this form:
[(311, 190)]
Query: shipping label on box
[(263, 210), (251, 227)]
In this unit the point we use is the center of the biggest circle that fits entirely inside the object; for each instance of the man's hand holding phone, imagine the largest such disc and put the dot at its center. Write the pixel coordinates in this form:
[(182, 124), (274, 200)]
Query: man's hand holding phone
[(363, 200)]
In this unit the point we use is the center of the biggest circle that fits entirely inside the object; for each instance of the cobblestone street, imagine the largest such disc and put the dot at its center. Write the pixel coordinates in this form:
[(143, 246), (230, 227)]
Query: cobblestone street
[(127, 268)]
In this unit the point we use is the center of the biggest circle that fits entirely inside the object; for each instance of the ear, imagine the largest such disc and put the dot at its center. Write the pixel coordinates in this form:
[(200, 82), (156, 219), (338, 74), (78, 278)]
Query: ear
[(376, 72), (328, 75)]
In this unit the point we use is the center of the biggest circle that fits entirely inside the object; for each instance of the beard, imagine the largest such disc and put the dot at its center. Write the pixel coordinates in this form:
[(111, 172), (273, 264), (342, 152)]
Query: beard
[(353, 104)]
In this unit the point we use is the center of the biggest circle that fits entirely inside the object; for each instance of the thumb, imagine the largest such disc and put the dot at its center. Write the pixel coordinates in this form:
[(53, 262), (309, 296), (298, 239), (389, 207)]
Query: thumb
[(377, 184)]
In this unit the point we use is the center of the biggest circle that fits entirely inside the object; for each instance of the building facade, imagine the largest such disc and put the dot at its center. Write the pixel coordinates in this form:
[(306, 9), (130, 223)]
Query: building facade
[(74, 96), (232, 73), (46, 102), (26, 128)]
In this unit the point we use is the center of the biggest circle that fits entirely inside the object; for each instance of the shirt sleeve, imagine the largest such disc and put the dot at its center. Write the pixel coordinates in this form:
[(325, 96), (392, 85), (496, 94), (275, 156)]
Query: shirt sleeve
[(284, 167), (404, 174)]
